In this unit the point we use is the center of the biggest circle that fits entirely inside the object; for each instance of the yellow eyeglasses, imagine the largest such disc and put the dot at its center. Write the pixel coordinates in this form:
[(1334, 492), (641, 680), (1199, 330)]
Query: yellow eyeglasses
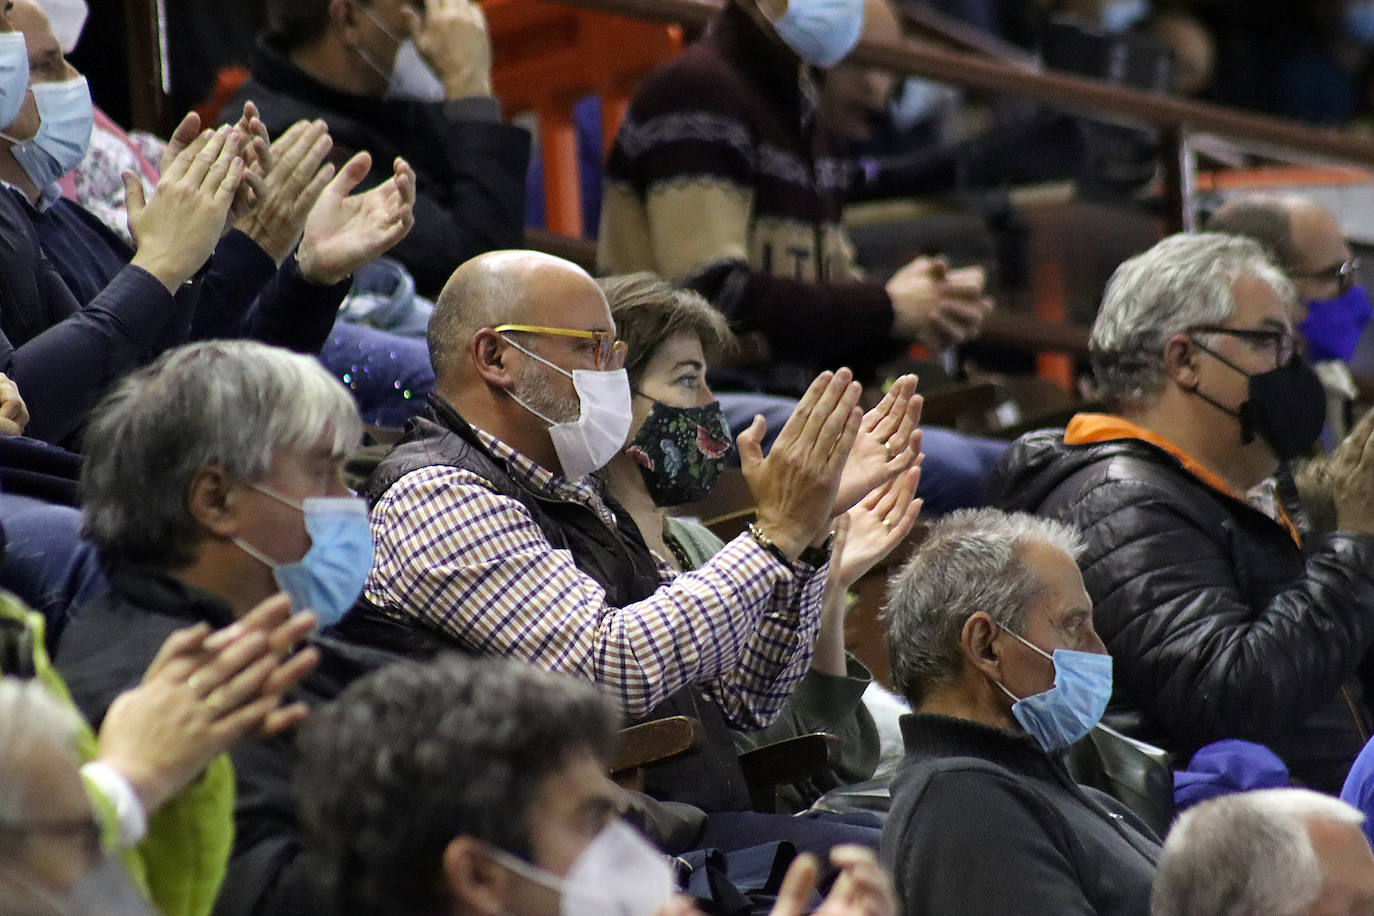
[(606, 348)]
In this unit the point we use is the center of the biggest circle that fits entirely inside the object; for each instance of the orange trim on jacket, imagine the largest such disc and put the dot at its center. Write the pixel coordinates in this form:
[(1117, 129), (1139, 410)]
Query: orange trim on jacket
[(1089, 428)]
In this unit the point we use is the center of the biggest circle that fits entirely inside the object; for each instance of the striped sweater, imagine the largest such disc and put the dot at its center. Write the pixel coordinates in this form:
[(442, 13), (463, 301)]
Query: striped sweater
[(723, 177)]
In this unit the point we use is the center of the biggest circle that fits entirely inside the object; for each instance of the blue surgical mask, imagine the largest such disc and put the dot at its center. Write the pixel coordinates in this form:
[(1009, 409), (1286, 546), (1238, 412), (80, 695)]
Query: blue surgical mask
[(822, 32), (1358, 21), (1333, 326), (329, 578), (1120, 15), (1073, 706), (64, 132), (14, 76)]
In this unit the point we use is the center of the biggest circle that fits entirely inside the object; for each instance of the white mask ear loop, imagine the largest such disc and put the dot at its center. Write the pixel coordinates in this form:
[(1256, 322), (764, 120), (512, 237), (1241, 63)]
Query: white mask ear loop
[(541, 359)]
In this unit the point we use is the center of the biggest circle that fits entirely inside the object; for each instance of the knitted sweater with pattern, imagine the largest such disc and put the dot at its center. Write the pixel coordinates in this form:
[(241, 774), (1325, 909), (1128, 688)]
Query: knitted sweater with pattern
[(723, 177)]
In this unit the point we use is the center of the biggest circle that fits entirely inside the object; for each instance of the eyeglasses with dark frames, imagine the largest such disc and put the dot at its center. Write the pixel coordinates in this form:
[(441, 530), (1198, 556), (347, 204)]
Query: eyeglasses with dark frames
[(1343, 275), (1284, 342)]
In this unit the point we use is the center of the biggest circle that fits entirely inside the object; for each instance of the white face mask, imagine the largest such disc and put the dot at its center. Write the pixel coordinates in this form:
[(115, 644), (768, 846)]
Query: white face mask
[(67, 18), (601, 428), (410, 76), (618, 874)]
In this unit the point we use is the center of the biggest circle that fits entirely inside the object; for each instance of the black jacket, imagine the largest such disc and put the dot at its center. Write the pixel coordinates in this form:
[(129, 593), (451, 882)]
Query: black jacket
[(470, 171), (1218, 624), (709, 777), (104, 651), (985, 822)]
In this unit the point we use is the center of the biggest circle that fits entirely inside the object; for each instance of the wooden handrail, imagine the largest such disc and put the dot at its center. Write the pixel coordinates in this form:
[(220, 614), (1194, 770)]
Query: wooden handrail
[(1012, 329), (1103, 99), (947, 31)]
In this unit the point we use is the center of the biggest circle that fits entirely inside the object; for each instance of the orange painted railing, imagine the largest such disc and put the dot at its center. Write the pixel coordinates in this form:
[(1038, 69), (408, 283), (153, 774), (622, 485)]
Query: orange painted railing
[(545, 56)]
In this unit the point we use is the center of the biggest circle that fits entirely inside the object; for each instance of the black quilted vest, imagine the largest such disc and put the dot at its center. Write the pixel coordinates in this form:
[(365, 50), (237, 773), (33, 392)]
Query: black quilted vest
[(617, 559)]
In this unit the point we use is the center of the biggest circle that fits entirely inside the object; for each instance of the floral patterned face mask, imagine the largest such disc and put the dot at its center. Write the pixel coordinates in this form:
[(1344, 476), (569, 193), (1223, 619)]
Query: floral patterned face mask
[(680, 451)]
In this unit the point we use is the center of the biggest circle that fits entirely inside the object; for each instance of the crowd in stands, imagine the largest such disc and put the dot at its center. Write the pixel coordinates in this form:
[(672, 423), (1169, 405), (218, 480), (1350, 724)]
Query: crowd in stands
[(347, 557)]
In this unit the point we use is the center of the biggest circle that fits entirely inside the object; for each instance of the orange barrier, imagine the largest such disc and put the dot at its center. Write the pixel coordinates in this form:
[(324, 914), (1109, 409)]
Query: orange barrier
[(545, 56)]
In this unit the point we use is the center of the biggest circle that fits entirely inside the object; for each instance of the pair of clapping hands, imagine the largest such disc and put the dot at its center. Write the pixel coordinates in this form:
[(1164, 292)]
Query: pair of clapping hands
[(835, 468), (861, 888), (281, 193), (205, 692)]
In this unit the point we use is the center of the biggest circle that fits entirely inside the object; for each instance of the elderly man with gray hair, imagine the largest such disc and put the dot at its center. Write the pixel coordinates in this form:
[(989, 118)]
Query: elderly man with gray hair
[(991, 640), (1278, 852), (214, 481), (1222, 623)]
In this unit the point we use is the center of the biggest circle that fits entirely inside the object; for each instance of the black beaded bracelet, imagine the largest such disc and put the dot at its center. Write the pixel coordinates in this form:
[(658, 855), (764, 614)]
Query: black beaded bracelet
[(818, 556), (767, 544)]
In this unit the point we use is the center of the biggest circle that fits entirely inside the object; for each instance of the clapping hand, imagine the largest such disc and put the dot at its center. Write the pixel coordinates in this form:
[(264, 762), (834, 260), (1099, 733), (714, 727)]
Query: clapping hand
[(203, 693), (14, 414), (344, 231), (794, 487), (872, 529), (888, 443)]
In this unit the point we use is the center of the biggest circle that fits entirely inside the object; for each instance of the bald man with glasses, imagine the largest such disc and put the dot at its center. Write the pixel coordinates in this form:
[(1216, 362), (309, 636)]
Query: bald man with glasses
[(495, 536)]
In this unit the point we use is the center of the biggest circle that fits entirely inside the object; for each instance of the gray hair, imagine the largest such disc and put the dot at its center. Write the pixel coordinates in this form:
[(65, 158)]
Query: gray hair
[(971, 560), (30, 717), (1247, 854), (416, 754), (234, 405), (1182, 282)]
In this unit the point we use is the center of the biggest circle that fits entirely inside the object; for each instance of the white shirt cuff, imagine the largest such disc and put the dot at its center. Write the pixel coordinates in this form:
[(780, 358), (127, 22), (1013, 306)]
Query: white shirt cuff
[(129, 813)]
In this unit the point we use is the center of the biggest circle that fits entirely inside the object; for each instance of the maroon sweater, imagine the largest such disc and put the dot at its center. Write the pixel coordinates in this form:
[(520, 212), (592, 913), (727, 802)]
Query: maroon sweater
[(723, 178)]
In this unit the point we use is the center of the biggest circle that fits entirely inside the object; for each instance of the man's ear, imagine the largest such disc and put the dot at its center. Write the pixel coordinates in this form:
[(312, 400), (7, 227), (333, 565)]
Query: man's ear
[(343, 15), (213, 501), (978, 642), (1180, 361), (475, 882), (491, 357)]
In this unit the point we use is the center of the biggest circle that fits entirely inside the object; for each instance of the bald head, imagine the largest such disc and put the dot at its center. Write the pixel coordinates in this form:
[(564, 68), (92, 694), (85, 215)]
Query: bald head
[(508, 287), (1300, 234)]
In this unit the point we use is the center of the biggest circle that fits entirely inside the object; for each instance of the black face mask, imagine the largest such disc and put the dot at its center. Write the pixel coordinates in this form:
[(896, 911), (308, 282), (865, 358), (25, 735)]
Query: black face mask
[(681, 451), (1286, 407)]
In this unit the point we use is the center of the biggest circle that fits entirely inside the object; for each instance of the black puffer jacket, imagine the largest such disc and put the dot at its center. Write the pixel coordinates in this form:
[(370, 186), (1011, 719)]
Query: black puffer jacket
[(1219, 626)]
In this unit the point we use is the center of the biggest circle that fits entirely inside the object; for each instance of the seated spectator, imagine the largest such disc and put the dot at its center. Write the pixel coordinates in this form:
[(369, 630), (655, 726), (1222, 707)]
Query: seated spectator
[(494, 535), (48, 566), (724, 176), (217, 485), (517, 815), (410, 80), (1333, 311), (1220, 624), (386, 373), (1282, 852), (117, 316), (159, 784), (679, 442), (51, 855), (991, 639)]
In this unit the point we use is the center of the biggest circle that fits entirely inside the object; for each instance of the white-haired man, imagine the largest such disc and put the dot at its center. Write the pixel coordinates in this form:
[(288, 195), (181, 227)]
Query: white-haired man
[(1281, 852), (991, 640), (1221, 625)]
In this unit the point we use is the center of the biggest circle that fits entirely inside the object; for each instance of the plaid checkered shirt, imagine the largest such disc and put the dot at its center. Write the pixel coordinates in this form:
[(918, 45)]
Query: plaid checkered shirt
[(473, 564)]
